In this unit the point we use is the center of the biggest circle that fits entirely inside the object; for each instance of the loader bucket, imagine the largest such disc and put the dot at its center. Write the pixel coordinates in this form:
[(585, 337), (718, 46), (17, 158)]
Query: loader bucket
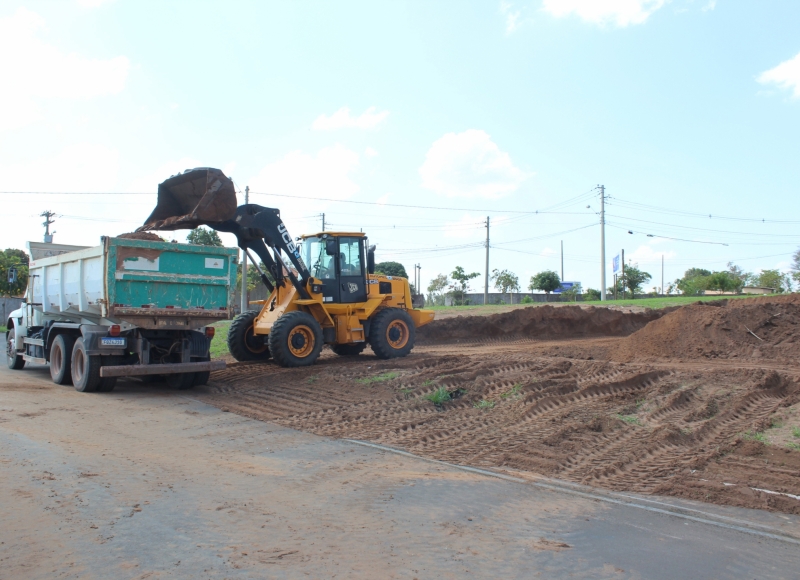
[(192, 198)]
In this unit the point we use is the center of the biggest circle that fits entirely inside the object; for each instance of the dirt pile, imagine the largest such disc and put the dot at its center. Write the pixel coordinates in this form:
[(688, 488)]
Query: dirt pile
[(142, 236), (546, 322), (759, 328)]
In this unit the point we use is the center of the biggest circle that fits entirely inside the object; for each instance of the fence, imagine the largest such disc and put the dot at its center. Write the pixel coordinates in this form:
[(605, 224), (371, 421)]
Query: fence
[(7, 306)]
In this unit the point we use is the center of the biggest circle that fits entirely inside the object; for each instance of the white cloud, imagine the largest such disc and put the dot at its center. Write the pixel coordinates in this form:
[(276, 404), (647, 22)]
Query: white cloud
[(512, 16), (710, 6), (37, 70), (786, 75), (79, 167), (469, 164), (92, 3), (327, 174), (384, 199), (646, 256), (618, 12), (342, 119), (370, 152)]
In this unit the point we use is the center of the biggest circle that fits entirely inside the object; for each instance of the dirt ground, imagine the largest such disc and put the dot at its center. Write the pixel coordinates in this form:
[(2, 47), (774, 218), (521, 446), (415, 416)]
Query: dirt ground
[(699, 402)]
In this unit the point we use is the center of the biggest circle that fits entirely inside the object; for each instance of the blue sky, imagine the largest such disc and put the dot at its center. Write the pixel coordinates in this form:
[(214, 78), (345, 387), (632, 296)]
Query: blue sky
[(484, 108)]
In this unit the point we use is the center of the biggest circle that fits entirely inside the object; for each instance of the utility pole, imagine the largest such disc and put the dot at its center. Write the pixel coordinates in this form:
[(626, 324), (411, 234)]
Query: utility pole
[(662, 275), (562, 260), (323, 222), (603, 242), (486, 279), (623, 275), (245, 306), (47, 214)]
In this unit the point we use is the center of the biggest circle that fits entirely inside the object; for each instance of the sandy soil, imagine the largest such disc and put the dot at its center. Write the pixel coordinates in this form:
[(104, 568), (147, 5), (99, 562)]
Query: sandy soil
[(698, 402)]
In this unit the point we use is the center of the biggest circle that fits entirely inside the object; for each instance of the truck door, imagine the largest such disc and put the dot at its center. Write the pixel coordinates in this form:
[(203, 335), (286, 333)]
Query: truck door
[(352, 278)]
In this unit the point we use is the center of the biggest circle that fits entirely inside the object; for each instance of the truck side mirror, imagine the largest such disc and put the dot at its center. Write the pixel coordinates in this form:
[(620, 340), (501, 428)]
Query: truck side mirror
[(12, 275), (371, 259), (330, 247)]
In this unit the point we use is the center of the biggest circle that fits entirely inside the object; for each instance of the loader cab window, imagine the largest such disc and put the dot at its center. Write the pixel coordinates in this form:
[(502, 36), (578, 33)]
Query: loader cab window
[(320, 264), (350, 256)]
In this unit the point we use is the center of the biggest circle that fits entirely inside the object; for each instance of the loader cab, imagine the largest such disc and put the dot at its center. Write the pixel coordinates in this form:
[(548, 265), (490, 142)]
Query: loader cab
[(339, 261)]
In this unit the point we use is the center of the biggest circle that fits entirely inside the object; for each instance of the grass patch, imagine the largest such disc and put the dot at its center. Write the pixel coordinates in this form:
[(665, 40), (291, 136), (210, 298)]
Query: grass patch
[(219, 344), (776, 423), (428, 383), (439, 396), (629, 419), (378, 378), (755, 436), (484, 405), (3, 329), (794, 446), (512, 392), (312, 379), (406, 391), (796, 432)]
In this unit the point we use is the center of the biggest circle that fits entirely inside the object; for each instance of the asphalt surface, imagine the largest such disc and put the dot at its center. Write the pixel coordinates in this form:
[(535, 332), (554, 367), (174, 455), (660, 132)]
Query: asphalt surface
[(145, 482)]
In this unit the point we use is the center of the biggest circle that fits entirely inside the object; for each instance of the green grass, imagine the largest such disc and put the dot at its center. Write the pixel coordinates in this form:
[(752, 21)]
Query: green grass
[(512, 392), (219, 344), (796, 432), (3, 329), (794, 446), (378, 378), (312, 379), (629, 419), (428, 383), (755, 436), (406, 392), (484, 405), (439, 396)]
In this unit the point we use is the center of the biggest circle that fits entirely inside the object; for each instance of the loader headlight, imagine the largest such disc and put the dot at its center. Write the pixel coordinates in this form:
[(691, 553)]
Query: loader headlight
[(316, 288)]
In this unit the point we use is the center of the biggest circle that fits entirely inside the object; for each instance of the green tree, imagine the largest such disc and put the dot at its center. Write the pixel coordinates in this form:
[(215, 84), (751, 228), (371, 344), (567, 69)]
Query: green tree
[(634, 278), (774, 279), (18, 260), (572, 293), (721, 281), (460, 284), (546, 281), (592, 294), (739, 276), (391, 269), (437, 287), (204, 237), (796, 266), (505, 281), (694, 281)]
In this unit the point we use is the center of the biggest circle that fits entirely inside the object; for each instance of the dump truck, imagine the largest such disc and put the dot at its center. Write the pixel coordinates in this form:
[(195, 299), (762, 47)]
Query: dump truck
[(127, 307), (323, 286)]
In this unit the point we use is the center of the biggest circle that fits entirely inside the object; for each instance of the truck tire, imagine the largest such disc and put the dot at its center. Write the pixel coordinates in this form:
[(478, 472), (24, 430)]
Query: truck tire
[(295, 339), (392, 333), (180, 381), (243, 343), (15, 361), (349, 349), (85, 368), (61, 359), (202, 377)]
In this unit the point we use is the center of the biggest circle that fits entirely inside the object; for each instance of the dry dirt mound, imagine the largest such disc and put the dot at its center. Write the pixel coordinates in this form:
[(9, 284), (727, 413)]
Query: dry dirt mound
[(142, 236), (744, 329), (547, 322)]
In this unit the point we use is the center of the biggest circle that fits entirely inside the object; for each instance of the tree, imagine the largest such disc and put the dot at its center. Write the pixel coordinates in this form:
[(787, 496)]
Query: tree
[(461, 284), (634, 278), (546, 281), (391, 269), (592, 294), (437, 287), (18, 260), (739, 276), (796, 266), (694, 281), (573, 292), (204, 237), (505, 281), (774, 279), (721, 281)]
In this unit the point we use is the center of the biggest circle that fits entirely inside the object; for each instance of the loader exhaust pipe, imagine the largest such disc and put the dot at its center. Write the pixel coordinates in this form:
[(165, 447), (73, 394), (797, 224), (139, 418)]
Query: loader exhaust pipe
[(193, 198)]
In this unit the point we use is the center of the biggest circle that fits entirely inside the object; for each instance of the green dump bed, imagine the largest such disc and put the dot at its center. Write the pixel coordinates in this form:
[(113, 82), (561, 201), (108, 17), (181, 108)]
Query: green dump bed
[(150, 284)]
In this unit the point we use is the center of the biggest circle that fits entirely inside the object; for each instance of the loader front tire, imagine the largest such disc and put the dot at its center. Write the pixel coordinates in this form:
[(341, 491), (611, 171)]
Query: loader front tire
[(392, 333), (295, 339), (349, 349), (243, 343)]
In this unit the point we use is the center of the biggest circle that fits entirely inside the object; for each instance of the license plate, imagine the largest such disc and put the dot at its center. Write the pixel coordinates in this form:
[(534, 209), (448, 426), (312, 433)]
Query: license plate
[(108, 341)]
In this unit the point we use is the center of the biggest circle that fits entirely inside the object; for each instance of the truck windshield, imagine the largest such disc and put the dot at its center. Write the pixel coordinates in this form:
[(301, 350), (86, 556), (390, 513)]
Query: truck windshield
[(319, 263)]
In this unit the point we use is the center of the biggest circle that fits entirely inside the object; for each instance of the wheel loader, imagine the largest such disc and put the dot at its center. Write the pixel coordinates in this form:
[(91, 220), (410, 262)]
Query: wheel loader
[(323, 287)]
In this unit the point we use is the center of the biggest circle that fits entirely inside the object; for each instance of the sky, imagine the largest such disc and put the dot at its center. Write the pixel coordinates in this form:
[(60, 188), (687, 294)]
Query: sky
[(415, 121)]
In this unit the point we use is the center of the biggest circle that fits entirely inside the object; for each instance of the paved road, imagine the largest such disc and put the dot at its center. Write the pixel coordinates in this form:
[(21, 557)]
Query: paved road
[(145, 482)]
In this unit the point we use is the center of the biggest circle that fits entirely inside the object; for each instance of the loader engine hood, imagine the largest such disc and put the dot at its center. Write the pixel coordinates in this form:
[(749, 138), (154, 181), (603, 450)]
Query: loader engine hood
[(193, 198)]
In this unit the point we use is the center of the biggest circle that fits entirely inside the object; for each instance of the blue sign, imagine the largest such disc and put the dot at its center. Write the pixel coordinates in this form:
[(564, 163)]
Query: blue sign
[(616, 263), (565, 286)]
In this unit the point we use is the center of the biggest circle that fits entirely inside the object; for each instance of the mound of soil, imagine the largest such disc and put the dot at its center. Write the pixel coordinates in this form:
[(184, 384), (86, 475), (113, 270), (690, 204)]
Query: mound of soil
[(142, 236), (741, 329), (547, 322)]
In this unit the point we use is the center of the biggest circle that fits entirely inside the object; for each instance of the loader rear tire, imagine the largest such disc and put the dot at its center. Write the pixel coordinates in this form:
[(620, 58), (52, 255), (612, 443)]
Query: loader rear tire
[(349, 349), (392, 333), (61, 359), (295, 339), (243, 343), (15, 361)]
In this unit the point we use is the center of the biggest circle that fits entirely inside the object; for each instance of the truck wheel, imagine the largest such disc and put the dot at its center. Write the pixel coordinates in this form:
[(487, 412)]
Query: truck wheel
[(61, 359), (202, 377), (295, 339), (392, 333), (15, 361), (180, 381), (349, 349), (243, 343), (85, 369)]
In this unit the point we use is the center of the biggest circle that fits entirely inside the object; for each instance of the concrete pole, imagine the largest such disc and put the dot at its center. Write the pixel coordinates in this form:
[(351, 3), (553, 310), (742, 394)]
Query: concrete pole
[(486, 279), (245, 306), (562, 260), (662, 274), (603, 243)]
